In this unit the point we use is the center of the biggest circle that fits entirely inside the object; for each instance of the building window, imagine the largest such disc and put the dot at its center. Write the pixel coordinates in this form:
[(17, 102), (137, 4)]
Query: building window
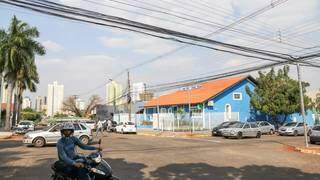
[(237, 96)]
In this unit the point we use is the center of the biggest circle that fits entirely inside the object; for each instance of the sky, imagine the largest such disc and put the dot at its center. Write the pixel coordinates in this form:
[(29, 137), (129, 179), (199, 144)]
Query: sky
[(83, 57)]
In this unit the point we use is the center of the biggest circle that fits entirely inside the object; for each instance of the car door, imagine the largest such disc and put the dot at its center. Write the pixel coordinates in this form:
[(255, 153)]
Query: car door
[(246, 129), (53, 135), (77, 130), (300, 128)]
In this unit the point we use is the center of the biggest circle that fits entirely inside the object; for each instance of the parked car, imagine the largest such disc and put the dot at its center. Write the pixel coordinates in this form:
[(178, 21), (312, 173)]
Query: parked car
[(240, 130), (292, 128), (126, 127), (266, 127), (29, 125), (91, 124), (216, 131), (315, 134), (51, 135), (113, 126)]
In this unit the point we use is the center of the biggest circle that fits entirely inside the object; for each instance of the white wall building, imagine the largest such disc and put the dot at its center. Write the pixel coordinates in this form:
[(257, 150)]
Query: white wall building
[(41, 103), (114, 91), (137, 89), (26, 103), (80, 104), (54, 98)]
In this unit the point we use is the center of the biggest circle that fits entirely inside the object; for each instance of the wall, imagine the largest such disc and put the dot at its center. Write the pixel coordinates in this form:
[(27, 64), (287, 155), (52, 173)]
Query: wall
[(241, 106)]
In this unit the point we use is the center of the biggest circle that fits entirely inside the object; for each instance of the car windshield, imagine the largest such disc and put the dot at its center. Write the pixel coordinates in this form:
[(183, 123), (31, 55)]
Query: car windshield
[(236, 125), (47, 128), (130, 123), (290, 124), (90, 122), (24, 123)]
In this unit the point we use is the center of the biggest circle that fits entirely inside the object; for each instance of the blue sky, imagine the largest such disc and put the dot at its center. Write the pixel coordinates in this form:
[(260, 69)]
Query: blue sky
[(83, 56)]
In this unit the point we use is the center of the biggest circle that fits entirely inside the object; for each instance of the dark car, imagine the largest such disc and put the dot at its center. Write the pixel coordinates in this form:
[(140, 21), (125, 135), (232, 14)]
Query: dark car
[(314, 134), (216, 131)]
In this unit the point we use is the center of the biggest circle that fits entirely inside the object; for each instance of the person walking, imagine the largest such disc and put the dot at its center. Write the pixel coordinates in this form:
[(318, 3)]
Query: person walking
[(99, 128)]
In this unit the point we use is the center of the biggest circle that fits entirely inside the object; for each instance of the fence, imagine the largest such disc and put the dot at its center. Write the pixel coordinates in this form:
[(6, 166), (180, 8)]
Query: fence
[(178, 122)]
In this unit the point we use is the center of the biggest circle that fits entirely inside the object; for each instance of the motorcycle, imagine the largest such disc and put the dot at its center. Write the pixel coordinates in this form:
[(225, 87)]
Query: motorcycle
[(98, 168)]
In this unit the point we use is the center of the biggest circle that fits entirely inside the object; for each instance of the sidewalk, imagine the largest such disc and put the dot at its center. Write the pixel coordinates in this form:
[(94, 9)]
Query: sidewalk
[(5, 135), (150, 132)]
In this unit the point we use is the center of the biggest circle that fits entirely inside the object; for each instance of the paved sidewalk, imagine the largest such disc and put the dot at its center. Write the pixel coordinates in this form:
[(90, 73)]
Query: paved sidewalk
[(149, 132)]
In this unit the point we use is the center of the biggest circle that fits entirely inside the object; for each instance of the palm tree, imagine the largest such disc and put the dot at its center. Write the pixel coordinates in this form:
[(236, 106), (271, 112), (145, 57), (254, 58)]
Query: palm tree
[(18, 52)]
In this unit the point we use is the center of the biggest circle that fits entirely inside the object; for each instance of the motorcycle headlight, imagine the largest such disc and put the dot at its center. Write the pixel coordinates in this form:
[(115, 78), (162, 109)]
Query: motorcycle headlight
[(97, 159)]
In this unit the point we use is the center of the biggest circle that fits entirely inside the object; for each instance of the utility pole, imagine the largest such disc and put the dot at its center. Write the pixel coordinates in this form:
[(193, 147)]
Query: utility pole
[(1, 92), (129, 96), (302, 106), (189, 104)]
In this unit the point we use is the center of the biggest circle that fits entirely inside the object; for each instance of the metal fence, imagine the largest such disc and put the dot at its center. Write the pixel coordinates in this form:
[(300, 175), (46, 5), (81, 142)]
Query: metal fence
[(178, 122)]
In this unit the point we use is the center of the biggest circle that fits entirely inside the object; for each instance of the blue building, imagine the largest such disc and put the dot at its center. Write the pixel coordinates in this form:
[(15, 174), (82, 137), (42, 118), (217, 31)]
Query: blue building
[(221, 100)]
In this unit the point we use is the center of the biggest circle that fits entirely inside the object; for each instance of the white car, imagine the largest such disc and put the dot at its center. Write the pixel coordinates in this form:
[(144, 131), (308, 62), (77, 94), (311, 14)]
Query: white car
[(126, 127), (91, 124), (28, 125)]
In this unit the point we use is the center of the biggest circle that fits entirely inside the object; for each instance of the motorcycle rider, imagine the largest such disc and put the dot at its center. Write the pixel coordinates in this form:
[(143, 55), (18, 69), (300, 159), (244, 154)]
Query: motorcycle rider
[(67, 153)]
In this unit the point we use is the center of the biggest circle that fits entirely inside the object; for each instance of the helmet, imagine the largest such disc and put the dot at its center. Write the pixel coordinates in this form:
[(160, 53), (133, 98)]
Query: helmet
[(67, 126)]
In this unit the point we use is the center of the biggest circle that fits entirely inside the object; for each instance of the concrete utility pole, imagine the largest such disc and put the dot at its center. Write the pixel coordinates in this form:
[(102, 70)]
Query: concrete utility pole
[(302, 106), (2, 85), (129, 96)]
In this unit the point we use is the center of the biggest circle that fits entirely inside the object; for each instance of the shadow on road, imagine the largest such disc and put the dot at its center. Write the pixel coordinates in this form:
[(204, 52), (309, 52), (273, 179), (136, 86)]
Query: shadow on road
[(207, 172), (126, 170)]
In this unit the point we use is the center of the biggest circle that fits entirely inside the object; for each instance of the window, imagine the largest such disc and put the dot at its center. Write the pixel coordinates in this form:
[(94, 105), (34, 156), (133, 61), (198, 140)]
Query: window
[(254, 125), (237, 96), (246, 126), (56, 128), (300, 124), (83, 127), (76, 127), (316, 128)]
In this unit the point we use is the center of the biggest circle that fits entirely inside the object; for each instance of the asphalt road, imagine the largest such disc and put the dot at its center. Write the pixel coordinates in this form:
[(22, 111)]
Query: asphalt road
[(143, 157)]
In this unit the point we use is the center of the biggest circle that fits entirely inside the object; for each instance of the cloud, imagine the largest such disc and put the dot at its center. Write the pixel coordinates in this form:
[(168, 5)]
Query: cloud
[(52, 46), (137, 43), (114, 42)]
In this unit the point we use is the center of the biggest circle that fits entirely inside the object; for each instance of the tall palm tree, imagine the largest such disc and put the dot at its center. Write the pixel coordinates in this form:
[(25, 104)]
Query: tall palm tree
[(18, 50)]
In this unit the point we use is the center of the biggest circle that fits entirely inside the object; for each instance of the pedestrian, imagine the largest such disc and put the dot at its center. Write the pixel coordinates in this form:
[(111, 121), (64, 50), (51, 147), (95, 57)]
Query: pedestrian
[(99, 128)]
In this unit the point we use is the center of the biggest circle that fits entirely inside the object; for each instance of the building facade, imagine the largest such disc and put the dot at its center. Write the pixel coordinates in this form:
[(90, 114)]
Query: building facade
[(114, 91), (137, 90), (41, 103), (55, 98), (26, 103)]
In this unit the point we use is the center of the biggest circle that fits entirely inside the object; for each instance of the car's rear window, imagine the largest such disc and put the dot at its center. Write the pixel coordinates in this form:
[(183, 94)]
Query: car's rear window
[(290, 124), (130, 123), (25, 123), (253, 125), (90, 122), (316, 128)]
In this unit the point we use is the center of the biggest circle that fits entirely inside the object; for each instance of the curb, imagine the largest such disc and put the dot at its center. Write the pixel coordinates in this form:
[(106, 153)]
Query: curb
[(174, 135), (308, 150), (6, 136)]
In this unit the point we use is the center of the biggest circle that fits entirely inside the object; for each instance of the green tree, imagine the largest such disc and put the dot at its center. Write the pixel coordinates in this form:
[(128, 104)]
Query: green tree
[(17, 51), (277, 94), (30, 114)]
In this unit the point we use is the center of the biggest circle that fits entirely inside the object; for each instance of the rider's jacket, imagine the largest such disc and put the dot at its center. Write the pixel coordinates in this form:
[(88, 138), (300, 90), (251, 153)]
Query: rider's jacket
[(67, 149)]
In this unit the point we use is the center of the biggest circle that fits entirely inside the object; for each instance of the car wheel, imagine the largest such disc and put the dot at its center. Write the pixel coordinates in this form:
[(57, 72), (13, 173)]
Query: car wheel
[(258, 135), (271, 131), (239, 136), (226, 137), (309, 132), (295, 133), (312, 142), (84, 139), (39, 142)]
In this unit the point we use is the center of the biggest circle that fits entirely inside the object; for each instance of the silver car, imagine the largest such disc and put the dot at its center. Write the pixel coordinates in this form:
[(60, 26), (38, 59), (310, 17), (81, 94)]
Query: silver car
[(240, 130), (51, 135), (315, 134), (266, 127), (292, 128)]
